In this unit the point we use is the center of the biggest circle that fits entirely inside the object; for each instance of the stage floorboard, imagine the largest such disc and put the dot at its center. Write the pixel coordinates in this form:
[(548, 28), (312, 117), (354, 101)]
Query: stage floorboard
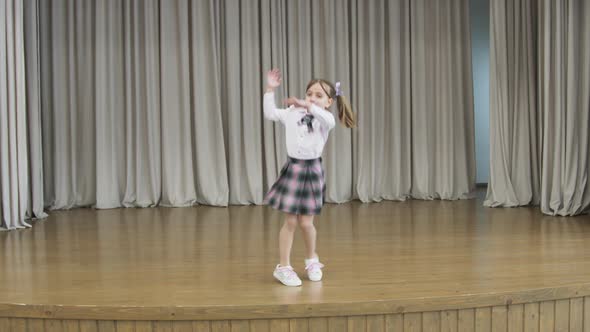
[(212, 265)]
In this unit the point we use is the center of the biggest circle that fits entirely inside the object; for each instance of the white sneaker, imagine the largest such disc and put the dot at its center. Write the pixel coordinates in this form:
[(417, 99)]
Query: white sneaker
[(286, 275), (314, 269)]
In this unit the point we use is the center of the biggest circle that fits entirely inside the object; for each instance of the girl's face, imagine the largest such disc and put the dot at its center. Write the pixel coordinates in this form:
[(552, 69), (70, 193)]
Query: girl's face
[(316, 95)]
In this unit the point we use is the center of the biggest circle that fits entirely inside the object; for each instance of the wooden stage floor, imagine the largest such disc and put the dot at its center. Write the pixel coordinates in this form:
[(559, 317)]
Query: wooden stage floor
[(408, 264)]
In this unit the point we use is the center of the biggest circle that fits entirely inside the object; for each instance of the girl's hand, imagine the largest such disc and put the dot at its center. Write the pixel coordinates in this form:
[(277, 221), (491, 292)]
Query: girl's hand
[(273, 79), (297, 102)]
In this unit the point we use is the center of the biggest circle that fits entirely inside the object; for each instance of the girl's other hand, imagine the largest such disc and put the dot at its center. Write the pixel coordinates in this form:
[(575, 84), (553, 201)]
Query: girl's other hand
[(297, 102)]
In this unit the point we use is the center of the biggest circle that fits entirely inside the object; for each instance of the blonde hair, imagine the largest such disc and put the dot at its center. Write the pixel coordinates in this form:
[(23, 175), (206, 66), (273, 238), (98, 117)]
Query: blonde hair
[(345, 113)]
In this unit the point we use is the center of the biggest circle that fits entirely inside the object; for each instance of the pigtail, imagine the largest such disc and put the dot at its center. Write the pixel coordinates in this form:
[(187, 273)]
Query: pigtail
[(345, 113)]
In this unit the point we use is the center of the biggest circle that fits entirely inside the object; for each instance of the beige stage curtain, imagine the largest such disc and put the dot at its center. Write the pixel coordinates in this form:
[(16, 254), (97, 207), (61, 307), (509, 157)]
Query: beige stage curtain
[(540, 105), (152, 102), (564, 102), (413, 90), (514, 122), (443, 146), (21, 181)]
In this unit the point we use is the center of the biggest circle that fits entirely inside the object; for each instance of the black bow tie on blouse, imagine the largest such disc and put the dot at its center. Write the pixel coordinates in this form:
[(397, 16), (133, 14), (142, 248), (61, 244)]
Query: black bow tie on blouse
[(307, 119)]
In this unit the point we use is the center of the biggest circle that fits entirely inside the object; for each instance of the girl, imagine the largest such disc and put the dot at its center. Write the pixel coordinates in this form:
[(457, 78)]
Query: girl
[(299, 190)]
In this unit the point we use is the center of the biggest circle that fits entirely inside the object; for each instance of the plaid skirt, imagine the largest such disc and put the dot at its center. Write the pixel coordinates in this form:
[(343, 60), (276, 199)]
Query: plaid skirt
[(300, 187)]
